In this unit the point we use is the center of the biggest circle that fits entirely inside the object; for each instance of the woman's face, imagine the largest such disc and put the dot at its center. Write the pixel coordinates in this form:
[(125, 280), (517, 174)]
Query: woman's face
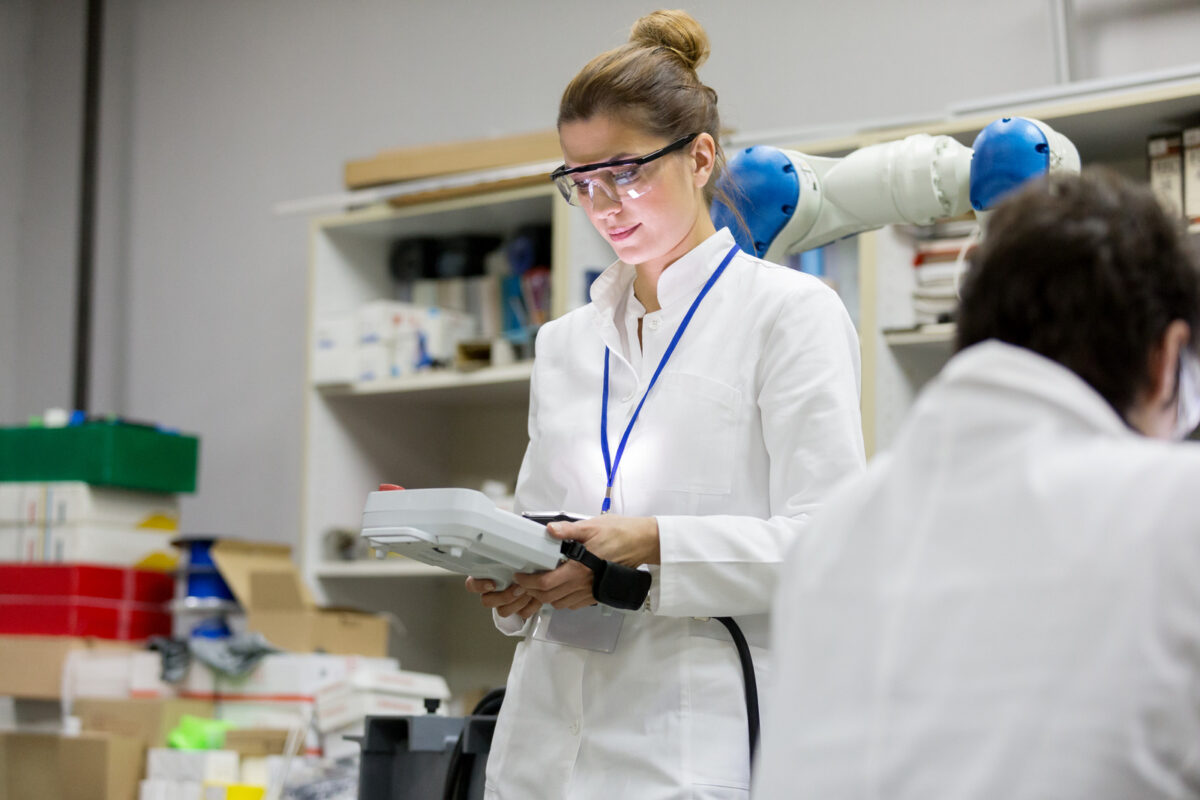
[(670, 217)]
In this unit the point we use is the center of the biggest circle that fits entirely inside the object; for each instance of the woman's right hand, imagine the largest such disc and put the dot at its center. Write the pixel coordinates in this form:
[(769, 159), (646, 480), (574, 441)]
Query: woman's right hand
[(513, 600)]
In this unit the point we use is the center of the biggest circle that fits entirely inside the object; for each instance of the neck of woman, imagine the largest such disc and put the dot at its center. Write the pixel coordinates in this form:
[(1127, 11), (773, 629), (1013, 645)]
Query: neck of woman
[(645, 285)]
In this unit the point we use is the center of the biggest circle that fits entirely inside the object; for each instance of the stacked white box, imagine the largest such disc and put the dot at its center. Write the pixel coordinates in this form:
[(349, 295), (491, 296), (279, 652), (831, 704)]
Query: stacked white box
[(74, 522), (335, 348), (377, 693), (164, 789), (115, 674), (395, 339), (280, 692), (193, 766)]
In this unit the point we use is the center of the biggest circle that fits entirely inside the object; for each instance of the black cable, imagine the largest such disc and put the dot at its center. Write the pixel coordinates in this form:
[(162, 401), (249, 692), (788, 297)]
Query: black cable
[(458, 771), (748, 679)]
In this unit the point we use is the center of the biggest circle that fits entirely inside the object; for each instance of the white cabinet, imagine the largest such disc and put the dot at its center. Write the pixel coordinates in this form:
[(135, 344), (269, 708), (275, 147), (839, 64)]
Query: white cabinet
[(431, 429)]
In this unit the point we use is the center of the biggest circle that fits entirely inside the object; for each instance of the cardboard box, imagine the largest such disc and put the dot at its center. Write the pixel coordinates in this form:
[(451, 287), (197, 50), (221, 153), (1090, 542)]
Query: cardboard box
[(90, 766), (33, 666), (391, 166), (257, 742), (149, 721), (279, 606)]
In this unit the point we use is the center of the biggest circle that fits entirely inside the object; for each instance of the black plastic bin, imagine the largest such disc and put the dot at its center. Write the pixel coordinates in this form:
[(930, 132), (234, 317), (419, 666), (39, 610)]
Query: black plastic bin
[(411, 758)]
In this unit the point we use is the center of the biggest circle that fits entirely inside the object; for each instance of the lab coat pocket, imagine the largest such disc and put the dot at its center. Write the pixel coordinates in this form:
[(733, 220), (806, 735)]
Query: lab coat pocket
[(697, 419)]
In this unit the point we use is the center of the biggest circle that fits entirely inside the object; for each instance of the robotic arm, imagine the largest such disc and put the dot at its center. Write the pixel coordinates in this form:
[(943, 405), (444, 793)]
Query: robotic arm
[(793, 202)]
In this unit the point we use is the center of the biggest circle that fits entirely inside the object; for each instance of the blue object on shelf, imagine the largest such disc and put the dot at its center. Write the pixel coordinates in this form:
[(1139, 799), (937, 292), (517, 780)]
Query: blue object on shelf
[(212, 628), (204, 580)]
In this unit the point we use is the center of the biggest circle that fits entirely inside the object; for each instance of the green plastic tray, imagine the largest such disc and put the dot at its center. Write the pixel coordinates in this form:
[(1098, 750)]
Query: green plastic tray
[(102, 453)]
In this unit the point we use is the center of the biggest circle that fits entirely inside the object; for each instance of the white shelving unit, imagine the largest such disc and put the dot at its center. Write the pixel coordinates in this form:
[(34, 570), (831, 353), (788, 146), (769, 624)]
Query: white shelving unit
[(441, 428)]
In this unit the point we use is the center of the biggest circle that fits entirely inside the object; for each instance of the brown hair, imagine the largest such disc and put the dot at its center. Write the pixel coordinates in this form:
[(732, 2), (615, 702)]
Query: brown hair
[(651, 82), (1087, 270)]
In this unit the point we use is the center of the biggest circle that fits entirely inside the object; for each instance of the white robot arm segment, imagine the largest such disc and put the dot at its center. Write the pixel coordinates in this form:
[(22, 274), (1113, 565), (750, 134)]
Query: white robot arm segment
[(792, 202)]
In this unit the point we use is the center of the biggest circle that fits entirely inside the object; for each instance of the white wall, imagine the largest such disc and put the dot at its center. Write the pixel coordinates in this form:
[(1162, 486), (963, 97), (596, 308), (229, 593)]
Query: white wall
[(46, 246), (228, 107), (16, 19)]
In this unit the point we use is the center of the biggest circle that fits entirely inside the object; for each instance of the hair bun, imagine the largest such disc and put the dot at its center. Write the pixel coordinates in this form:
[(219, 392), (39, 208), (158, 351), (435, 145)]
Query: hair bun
[(677, 31)]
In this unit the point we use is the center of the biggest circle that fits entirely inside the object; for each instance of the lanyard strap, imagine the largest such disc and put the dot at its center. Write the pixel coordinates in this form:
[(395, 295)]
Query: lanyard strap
[(610, 464)]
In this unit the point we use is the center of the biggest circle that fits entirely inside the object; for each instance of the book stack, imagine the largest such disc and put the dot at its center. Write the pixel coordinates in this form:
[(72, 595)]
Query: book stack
[(939, 253), (1173, 166)]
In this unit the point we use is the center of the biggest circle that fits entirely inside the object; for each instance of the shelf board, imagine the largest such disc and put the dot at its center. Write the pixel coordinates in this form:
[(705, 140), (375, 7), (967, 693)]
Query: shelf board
[(386, 568), (488, 384), (941, 334)]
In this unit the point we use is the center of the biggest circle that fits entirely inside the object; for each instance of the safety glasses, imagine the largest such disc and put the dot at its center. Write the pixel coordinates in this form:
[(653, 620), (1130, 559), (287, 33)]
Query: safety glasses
[(622, 179)]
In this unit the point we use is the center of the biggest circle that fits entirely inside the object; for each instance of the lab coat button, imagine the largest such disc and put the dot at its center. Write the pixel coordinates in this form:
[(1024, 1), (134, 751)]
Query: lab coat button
[(627, 398), (575, 728), (654, 323)]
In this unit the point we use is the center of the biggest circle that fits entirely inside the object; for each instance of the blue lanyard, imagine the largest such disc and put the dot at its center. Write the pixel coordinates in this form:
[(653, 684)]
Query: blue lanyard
[(610, 465)]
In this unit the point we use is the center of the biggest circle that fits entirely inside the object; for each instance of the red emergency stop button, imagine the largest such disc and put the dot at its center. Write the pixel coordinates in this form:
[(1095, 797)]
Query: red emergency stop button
[(390, 487)]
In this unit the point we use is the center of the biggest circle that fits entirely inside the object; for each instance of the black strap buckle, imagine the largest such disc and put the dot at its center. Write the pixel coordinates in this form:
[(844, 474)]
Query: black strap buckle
[(613, 584)]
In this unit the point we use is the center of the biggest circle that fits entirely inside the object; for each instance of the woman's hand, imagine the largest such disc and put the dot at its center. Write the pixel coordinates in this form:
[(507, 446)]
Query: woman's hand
[(631, 541), (513, 600), (569, 585)]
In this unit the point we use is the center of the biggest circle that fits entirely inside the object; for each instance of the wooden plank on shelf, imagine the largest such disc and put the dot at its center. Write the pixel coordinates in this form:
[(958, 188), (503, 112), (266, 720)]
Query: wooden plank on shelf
[(401, 201), (391, 166)]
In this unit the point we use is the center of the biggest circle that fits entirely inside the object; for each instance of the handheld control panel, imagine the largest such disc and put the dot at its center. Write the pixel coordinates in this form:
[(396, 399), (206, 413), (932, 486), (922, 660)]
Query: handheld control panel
[(460, 530)]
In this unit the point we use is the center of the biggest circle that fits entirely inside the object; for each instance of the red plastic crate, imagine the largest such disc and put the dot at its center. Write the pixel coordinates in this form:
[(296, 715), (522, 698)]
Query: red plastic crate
[(104, 619), (86, 580)]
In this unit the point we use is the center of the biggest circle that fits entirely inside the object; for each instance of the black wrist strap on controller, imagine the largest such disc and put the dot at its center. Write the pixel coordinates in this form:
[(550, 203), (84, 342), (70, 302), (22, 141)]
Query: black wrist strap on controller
[(613, 584)]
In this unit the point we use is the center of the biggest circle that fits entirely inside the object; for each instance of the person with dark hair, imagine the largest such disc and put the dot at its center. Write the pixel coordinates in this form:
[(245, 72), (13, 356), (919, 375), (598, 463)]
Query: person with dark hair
[(1007, 605), (702, 406)]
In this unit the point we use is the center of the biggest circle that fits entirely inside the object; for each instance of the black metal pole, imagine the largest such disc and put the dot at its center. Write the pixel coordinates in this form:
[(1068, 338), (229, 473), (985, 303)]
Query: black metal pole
[(87, 202)]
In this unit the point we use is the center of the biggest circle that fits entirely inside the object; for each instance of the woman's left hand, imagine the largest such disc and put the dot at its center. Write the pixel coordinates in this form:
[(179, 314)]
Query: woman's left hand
[(631, 541)]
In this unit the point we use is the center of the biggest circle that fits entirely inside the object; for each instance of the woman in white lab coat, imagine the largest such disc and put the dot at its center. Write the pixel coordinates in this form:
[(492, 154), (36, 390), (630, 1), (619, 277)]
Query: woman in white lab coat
[(713, 398)]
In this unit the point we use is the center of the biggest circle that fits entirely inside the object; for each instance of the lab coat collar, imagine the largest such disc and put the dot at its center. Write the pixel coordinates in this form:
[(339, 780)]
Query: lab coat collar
[(994, 365), (679, 282)]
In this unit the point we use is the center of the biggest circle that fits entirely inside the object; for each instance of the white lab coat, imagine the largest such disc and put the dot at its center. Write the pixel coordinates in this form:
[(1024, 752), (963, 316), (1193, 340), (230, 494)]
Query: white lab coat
[(1006, 606), (751, 423)]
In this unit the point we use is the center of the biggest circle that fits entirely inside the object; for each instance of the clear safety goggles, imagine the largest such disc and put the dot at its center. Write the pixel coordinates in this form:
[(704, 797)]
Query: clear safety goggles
[(620, 180), (1188, 413)]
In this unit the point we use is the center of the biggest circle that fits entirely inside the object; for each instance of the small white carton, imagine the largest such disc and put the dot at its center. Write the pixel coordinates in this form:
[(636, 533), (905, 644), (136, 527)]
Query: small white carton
[(376, 693)]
